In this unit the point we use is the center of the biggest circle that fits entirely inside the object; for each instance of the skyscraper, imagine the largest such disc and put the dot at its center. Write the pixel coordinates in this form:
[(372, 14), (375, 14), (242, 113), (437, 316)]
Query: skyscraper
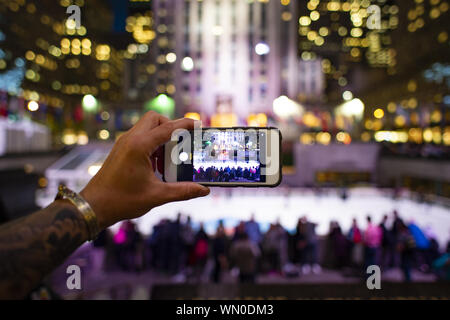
[(229, 56)]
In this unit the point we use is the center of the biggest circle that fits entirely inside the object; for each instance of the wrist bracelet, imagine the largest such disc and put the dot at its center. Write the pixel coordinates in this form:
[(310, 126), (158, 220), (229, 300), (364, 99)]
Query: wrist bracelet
[(82, 206)]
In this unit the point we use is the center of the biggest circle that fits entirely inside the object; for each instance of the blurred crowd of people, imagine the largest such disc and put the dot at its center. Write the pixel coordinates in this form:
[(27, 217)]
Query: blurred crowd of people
[(403, 245), (227, 174), (176, 248)]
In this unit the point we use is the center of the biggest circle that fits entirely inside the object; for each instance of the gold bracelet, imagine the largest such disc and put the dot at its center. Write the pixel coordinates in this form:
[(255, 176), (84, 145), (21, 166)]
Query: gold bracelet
[(88, 214)]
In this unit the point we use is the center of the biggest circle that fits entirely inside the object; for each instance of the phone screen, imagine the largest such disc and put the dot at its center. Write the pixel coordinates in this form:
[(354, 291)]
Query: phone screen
[(222, 156)]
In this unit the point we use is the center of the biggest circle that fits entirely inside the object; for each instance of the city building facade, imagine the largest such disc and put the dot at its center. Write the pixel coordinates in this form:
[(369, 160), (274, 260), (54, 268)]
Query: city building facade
[(230, 57)]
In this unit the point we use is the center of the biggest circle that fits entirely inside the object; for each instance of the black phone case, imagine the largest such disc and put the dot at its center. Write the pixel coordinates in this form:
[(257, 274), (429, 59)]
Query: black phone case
[(234, 185)]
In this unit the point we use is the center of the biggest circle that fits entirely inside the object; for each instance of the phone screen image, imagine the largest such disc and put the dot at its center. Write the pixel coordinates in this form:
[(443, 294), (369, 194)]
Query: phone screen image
[(229, 156)]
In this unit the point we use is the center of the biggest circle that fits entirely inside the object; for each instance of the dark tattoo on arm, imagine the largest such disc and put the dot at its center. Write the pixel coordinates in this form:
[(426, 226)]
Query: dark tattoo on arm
[(32, 246)]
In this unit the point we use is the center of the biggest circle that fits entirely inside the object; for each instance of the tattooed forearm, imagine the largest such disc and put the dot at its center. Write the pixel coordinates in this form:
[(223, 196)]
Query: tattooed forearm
[(31, 247)]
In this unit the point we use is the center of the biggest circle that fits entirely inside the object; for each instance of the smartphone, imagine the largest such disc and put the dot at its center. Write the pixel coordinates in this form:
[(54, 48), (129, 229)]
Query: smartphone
[(225, 157)]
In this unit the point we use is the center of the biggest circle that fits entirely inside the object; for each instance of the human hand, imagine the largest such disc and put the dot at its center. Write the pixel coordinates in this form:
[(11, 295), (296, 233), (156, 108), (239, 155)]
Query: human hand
[(126, 186)]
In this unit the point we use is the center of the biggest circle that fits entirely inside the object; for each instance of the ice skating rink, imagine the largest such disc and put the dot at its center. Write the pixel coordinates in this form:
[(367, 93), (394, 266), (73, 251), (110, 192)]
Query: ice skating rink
[(287, 205)]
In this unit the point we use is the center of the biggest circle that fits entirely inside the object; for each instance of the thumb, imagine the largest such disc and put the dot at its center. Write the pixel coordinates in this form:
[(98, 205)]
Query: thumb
[(179, 191)]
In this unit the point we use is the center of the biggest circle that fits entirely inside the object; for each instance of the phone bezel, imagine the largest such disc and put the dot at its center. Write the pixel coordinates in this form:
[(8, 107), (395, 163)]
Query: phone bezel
[(170, 169)]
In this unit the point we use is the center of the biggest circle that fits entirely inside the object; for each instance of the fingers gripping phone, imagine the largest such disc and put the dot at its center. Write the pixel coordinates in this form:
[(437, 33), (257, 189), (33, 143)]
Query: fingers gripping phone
[(225, 157)]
